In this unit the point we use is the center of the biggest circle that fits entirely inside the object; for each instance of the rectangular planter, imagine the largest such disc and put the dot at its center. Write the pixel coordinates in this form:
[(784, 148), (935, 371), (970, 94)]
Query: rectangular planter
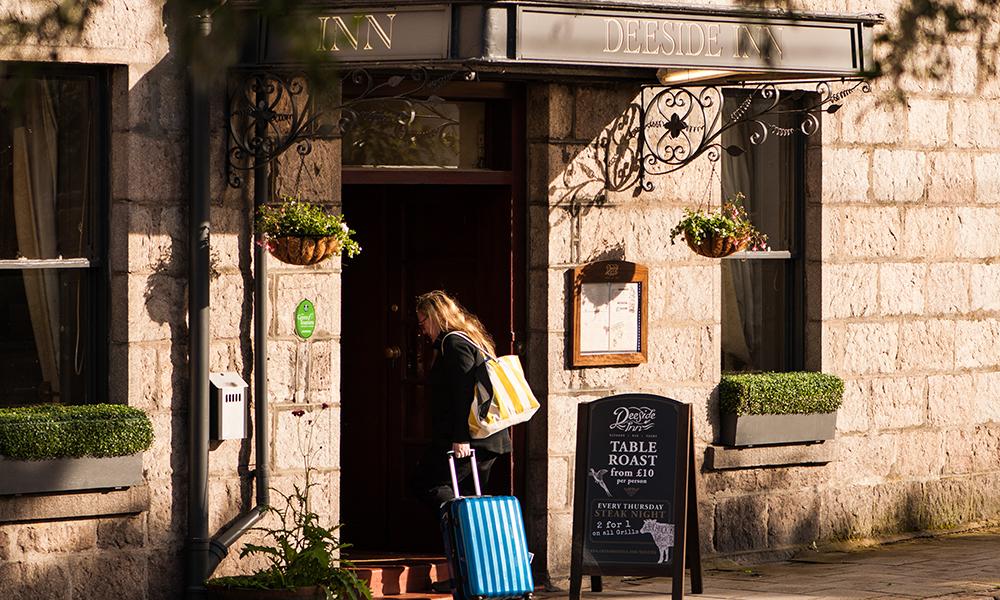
[(757, 430), (67, 474)]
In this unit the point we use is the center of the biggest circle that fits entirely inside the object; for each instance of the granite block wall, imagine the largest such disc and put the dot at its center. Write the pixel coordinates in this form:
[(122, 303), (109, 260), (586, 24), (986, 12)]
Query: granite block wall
[(129, 544), (901, 237)]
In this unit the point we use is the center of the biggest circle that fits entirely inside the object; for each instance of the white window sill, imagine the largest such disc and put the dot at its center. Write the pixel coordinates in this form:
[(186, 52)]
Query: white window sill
[(758, 254)]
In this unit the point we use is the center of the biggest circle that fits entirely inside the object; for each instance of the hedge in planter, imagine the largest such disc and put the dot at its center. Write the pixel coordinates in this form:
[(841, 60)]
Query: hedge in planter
[(774, 408), (53, 447)]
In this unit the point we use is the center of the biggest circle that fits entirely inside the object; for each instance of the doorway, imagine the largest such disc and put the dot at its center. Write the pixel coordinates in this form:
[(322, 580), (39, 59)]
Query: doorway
[(420, 230)]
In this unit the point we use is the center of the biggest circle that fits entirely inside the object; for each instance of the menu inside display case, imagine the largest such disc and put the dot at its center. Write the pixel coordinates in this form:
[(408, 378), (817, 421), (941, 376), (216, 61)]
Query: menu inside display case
[(609, 314), (609, 317)]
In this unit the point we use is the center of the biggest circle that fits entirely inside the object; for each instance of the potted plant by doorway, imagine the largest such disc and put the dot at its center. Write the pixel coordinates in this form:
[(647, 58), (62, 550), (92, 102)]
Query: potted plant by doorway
[(59, 448), (779, 408), (303, 233), (303, 557), (721, 232)]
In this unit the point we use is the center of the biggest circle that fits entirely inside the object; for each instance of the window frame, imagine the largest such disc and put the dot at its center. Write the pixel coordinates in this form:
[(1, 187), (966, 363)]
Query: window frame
[(794, 343), (97, 271)]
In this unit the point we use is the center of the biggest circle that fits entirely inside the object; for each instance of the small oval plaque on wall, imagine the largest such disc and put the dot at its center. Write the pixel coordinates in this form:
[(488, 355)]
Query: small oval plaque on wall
[(305, 319)]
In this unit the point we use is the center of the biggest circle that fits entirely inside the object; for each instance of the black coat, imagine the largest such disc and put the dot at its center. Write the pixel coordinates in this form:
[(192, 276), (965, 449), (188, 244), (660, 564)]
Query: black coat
[(451, 380)]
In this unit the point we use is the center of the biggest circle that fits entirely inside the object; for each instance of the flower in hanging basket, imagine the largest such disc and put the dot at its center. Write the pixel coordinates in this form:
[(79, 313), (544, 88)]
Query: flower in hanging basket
[(721, 232), (302, 233)]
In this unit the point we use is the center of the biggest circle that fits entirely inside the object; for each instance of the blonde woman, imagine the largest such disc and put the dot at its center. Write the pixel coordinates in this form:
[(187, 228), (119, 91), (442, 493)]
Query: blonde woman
[(459, 341)]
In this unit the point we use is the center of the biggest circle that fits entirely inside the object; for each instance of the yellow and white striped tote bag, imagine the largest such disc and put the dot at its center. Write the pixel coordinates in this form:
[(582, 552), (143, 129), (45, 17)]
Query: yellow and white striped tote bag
[(511, 401), (501, 397)]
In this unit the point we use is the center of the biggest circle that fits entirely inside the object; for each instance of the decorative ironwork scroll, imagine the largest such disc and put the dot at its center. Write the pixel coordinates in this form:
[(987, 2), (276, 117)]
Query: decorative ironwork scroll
[(271, 112), (268, 114), (667, 128)]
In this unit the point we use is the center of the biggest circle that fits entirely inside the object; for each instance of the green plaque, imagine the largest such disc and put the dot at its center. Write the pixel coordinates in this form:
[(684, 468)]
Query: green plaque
[(305, 319)]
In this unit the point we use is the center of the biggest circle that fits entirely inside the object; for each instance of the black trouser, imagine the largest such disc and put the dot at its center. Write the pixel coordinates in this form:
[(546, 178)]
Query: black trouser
[(433, 481)]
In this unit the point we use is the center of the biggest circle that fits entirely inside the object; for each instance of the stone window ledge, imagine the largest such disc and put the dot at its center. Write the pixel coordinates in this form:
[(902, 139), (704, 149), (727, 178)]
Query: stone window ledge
[(722, 458), (53, 507)]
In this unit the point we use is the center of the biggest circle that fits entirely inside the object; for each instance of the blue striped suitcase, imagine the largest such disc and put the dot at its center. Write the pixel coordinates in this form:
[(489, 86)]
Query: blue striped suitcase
[(487, 548)]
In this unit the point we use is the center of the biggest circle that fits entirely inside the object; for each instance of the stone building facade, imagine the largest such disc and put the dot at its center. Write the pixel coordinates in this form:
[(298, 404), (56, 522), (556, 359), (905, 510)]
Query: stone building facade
[(902, 301)]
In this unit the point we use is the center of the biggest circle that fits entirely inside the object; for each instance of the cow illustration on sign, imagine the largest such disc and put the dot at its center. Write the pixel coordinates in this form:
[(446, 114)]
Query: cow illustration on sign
[(663, 537)]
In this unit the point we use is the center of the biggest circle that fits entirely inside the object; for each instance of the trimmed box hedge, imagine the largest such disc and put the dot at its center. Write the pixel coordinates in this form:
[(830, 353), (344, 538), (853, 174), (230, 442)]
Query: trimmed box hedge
[(780, 393), (50, 431)]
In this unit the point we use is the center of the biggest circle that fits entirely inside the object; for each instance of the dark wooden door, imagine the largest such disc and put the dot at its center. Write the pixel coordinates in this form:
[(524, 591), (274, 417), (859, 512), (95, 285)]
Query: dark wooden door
[(415, 238)]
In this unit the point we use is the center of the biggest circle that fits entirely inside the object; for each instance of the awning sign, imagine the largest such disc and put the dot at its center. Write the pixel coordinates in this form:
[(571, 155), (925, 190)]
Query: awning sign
[(665, 40)]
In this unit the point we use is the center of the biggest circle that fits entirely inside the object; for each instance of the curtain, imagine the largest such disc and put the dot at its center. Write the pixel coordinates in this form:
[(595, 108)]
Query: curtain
[(34, 183), (739, 322)]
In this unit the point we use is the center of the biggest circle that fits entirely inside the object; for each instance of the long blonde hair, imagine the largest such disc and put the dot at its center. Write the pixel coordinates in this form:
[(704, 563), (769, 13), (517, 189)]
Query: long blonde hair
[(448, 315)]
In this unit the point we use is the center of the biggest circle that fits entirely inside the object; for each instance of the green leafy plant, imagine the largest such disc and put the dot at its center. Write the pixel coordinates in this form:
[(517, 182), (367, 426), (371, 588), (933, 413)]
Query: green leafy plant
[(49, 431), (729, 220), (780, 393), (301, 552), (294, 218)]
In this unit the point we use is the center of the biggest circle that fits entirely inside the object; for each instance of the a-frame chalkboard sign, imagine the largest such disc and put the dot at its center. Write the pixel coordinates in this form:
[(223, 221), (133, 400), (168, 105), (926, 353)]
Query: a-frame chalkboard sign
[(635, 508)]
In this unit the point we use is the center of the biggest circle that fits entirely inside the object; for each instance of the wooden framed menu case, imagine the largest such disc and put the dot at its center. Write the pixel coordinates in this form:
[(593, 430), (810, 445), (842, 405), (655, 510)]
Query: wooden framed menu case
[(609, 300)]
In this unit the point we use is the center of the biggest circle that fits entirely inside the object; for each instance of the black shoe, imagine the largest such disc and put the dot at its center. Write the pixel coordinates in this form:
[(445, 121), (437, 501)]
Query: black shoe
[(441, 587)]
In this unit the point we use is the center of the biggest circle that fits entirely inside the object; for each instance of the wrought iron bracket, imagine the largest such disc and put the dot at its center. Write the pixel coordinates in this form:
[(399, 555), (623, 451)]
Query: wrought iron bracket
[(667, 128), (270, 112)]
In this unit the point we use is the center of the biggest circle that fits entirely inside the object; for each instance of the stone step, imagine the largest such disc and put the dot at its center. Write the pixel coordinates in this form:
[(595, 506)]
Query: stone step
[(400, 577), (414, 596)]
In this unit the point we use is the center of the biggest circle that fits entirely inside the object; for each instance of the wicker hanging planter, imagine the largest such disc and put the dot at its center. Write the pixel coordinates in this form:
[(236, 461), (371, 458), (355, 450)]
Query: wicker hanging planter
[(303, 250), (702, 229), (713, 245), (303, 233)]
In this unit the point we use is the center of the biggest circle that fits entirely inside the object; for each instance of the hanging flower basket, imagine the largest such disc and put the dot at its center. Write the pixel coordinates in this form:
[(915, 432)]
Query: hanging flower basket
[(302, 233), (303, 250), (721, 232), (716, 245)]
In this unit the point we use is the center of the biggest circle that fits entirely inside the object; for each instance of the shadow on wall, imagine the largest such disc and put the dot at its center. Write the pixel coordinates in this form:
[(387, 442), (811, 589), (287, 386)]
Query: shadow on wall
[(154, 166), (769, 513)]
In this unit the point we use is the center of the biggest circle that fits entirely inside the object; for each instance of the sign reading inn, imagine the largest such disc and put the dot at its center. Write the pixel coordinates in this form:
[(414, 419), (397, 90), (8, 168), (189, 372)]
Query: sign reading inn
[(535, 37)]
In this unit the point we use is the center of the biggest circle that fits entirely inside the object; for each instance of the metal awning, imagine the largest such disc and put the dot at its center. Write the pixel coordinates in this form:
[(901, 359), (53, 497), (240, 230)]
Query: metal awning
[(614, 40), (681, 55)]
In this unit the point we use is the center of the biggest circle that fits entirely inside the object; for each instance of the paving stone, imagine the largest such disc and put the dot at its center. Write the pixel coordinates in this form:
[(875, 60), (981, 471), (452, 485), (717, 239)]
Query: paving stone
[(949, 567)]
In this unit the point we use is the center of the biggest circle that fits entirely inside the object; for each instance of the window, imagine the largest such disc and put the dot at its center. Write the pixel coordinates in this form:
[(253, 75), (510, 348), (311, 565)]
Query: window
[(400, 133), (53, 282), (763, 294)]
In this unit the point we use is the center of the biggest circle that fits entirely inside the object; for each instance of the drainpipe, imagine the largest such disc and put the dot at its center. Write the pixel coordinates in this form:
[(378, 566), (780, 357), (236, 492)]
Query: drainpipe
[(198, 318), (203, 554), (219, 546)]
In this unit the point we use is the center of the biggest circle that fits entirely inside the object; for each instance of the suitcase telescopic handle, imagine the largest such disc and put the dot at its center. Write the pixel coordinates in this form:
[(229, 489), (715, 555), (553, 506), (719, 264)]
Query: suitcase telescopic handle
[(454, 475)]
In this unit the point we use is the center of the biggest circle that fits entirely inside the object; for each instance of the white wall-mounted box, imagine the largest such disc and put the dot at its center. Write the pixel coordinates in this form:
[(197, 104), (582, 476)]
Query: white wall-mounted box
[(229, 412)]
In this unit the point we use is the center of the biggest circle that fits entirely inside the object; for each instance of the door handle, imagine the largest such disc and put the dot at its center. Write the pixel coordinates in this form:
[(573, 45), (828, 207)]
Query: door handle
[(393, 352)]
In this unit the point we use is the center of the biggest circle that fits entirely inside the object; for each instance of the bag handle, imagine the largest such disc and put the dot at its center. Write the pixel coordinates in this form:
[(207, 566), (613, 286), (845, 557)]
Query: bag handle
[(454, 475), (468, 339)]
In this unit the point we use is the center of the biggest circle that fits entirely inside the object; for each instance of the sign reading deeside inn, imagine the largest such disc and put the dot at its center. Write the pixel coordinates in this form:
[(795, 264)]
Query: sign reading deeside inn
[(510, 34), (675, 40)]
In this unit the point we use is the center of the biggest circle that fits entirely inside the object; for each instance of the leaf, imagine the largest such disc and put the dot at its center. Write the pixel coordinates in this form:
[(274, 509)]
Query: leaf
[(637, 191), (734, 150), (395, 80), (832, 108)]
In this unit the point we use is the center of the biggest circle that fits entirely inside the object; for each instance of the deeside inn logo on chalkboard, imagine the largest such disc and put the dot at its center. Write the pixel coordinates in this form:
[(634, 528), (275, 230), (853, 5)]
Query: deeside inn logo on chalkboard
[(632, 418)]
